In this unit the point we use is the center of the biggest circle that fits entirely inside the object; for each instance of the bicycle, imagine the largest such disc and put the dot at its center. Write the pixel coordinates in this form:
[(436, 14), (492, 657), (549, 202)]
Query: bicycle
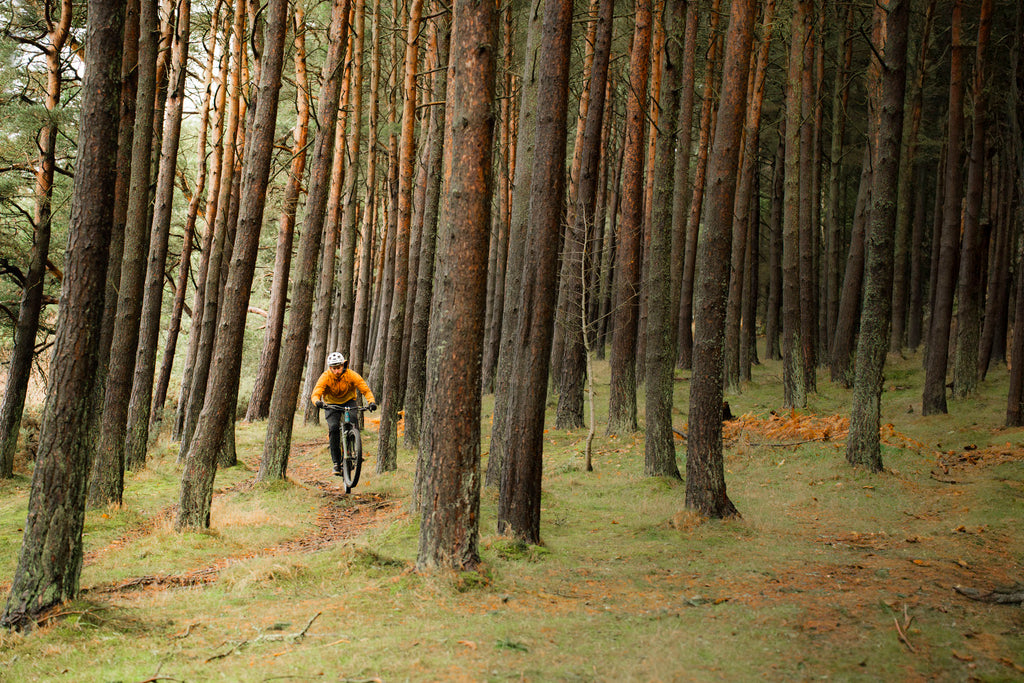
[(351, 443)]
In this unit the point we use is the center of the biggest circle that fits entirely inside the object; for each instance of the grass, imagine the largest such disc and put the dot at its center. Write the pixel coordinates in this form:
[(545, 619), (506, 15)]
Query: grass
[(825, 570)]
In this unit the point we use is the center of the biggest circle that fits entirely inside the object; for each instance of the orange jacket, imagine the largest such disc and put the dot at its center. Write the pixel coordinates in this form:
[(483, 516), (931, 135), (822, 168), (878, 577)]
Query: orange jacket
[(341, 388)]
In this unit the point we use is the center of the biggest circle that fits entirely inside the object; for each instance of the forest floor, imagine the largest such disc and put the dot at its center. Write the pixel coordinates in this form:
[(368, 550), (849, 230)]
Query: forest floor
[(830, 573)]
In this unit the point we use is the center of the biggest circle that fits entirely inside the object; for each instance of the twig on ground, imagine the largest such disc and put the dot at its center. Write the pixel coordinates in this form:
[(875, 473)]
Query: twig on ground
[(901, 630), (1000, 596)]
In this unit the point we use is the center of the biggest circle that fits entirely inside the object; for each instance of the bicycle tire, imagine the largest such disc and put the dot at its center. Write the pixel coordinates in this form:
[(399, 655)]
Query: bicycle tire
[(352, 458)]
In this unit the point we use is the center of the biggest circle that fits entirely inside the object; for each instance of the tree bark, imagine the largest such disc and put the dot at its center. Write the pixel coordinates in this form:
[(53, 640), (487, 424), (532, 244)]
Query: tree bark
[(937, 353), (844, 336), (972, 255), (50, 560), (794, 383), (517, 244), (217, 416), (107, 482), (270, 356), (659, 444), (744, 201), (393, 389), (887, 77), (417, 377), (622, 400), (140, 403), (449, 529), (277, 446), (707, 123), (579, 238), (520, 491), (705, 468)]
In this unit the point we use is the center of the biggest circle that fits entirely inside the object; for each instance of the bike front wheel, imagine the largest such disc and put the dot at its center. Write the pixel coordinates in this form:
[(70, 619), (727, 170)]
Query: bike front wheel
[(352, 461)]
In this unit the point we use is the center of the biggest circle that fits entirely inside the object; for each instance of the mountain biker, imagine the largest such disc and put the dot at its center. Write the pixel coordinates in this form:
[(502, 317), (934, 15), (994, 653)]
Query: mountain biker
[(339, 386)]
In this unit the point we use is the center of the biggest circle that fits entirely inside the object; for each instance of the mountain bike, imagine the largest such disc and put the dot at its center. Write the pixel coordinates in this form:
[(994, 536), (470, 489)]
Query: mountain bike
[(351, 443)]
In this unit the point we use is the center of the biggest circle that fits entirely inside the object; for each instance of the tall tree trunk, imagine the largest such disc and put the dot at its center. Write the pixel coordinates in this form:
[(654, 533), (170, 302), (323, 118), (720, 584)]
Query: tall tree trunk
[(622, 401), (206, 249), (277, 446), (659, 444), (393, 392), (184, 268), (196, 490), (361, 319), (937, 354), (417, 377), (50, 560), (904, 248), (845, 333), (349, 233), (915, 318), (503, 382), (887, 78), (705, 468), (794, 383), (972, 255), (140, 404), (707, 123), (259, 400), (520, 492), (450, 525), (207, 316), (808, 241), (108, 473), (773, 305), (27, 326), (577, 250), (1015, 398), (833, 219), (744, 194)]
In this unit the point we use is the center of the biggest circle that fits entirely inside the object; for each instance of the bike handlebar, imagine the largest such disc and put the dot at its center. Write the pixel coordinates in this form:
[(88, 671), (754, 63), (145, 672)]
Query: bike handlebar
[(339, 407)]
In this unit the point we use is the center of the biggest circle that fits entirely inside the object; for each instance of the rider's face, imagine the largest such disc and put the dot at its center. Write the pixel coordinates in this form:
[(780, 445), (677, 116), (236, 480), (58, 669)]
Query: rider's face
[(336, 370)]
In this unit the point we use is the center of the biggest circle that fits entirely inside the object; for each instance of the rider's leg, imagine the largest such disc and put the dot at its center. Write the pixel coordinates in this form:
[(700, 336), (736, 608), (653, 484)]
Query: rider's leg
[(334, 432)]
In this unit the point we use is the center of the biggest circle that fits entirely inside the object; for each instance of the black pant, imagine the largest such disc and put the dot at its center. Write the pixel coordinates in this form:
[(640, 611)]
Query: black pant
[(334, 430)]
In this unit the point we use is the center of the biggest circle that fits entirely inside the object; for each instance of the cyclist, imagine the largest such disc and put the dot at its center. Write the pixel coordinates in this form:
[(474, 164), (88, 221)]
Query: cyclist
[(339, 386)]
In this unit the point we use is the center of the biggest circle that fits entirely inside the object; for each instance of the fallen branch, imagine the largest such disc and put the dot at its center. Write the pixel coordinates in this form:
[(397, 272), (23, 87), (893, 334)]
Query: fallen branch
[(901, 630), (1000, 596)]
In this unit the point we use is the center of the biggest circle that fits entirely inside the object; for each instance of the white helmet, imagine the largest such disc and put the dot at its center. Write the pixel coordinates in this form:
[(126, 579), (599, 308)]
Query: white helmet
[(335, 358)]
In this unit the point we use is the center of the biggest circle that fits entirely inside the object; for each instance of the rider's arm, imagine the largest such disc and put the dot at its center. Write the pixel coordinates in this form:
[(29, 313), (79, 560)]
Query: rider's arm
[(318, 390), (363, 387)]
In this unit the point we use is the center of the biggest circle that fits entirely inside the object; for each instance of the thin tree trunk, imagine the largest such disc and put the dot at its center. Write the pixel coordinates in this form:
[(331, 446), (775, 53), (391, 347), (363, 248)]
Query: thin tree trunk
[(140, 405), (937, 355), (519, 498), (259, 400), (744, 194), (773, 305), (503, 383), (579, 236), (844, 337), (216, 419), (416, 380), (707, 123), (705, 468), (659, 444), (622, 411), (972, 255), (887, 77), (107, 481), (20, 368), (277, 446), (207, 316)]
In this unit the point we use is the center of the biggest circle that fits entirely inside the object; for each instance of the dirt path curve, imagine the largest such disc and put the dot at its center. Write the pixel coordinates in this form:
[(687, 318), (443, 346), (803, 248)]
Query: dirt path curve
[(341, 516)]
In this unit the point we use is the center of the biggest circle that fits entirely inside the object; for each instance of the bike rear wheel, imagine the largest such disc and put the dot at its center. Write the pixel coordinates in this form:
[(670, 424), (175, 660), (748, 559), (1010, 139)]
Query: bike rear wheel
[(352, 458)]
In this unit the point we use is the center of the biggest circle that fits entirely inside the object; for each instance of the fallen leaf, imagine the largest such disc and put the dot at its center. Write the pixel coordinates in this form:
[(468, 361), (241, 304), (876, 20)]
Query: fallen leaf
[(468, 643), (963, 658)]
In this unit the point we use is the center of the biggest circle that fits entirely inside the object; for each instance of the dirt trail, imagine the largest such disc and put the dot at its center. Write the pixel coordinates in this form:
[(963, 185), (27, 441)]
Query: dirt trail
[(340, 517)]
